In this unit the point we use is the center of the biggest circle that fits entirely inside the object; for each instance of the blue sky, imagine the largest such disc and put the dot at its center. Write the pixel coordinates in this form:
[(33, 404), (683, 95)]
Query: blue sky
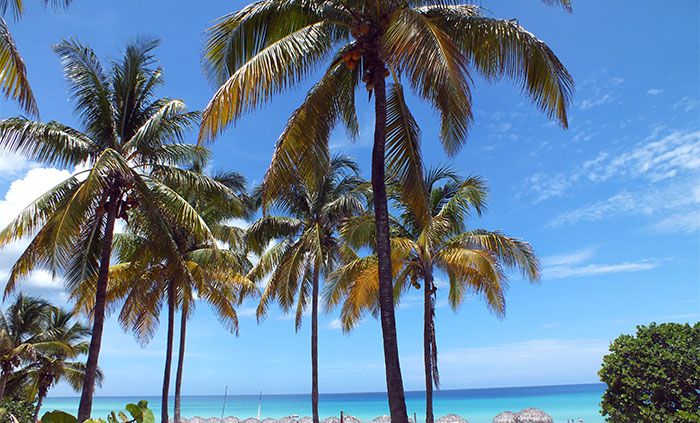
[(612, 205)]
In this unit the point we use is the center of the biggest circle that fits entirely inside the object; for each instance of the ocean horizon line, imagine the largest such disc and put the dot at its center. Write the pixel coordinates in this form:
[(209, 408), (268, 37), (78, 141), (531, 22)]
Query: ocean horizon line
[(413, 391)]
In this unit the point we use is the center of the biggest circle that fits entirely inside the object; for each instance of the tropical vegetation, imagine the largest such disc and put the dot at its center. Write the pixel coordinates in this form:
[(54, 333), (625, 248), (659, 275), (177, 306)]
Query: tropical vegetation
[(140, 195), (653, 375), (307, 247), (41, 346), (271, 45), (430, 233), (138, 413), (125, 157)]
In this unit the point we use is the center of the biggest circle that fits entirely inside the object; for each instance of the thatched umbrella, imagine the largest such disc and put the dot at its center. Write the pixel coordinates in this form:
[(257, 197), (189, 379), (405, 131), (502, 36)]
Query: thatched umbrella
[(250, 420), (212, 420), (533, 415), (306, 419), (382, 419), (268, 420), (231, 419), (288, 419), (451, 418), (330, 420), (505, 417), (350, 419)]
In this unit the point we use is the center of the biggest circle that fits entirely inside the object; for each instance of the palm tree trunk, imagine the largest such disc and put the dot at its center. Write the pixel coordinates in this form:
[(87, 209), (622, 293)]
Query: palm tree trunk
[(394, 382), (314, 347), (180, 361), (40, 401), (4, 374), (85, 407), (168, 353), (428, 333)]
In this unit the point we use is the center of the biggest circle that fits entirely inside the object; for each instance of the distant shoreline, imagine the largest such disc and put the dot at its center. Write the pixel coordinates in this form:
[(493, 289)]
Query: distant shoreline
[(256, 395)]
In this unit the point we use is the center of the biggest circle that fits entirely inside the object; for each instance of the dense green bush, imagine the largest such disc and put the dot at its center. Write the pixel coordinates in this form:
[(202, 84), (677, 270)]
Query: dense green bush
[(653, 376), (22, 410), (138, 413)]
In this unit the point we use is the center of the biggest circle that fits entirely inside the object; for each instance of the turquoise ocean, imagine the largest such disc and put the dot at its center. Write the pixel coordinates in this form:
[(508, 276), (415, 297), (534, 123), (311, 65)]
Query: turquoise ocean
[(476, 405)]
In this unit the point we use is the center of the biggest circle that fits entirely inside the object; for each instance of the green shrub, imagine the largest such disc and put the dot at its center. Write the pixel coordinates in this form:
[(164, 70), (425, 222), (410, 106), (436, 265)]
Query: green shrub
[(22, 410), (653, 376), (140, 413)]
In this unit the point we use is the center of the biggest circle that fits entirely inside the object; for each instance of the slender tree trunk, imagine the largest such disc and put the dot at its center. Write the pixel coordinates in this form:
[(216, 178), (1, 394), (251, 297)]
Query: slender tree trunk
[(180, 361), (168, 353), (428, 333), (314, 347), (85, 407), (4, 374), (394, 382), (40, 401)]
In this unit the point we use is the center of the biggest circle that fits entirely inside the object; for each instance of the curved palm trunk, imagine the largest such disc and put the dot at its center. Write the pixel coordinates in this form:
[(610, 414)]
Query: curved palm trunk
[(85, 407), (428, 343), (168, 353), (314, 347), (42, 394), (394, 382), (4, 374), (180, 362)]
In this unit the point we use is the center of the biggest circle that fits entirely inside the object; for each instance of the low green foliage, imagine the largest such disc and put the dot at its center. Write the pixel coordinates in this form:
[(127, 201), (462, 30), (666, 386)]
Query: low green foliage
[(654, 375), (139, 413), (22, 410)]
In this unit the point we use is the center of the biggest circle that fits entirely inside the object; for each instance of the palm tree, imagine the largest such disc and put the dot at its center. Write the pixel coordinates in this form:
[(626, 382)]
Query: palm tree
[(307, 247), (21, 327), (13, 73), (271, 45), (127, 147), (147, 276), (474, 260), (54, 365)]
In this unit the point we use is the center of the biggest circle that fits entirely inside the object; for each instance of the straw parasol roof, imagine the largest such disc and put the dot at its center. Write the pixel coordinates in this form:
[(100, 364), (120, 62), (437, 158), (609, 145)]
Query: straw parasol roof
[(505, 417), (250, 420), (268, 420), (451, 418), (533, 415), (212, 420), (382, 419), (350, 419), (330, 420), (288, 419), (306, 419), (230, 419)]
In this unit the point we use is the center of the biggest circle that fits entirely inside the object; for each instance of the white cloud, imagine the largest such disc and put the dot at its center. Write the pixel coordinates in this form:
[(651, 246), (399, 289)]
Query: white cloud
[(597, 101), (659, 178), (335, 324), (574, 257), (23, 192), (19, 195), (686, 104), (655, 91), (572, 264), (11, 164), (554, 361)]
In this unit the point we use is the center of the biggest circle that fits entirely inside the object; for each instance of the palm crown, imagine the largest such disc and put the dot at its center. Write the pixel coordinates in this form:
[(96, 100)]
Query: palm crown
[(130, 151)]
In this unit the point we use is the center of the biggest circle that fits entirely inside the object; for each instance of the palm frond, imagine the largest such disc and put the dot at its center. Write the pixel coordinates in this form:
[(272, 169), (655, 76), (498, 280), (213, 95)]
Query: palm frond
[(13, 74)]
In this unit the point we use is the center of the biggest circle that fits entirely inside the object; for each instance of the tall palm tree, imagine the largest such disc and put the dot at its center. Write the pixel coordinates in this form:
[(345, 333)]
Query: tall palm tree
[(21, 328), (129, 143), (308, 247), (271, 45), (147, 276), (54, 365), (474, 260), (13, 73)]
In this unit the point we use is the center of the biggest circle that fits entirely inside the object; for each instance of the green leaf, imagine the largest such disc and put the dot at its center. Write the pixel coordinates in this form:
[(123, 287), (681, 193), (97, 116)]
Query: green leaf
[(58, 417)]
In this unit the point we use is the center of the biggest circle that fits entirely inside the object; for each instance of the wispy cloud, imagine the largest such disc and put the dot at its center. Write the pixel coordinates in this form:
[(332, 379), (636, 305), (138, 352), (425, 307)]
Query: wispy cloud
[(686, 104), (573, 264), (658, 178), (655, 91), (335, 324), (589, 103)]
